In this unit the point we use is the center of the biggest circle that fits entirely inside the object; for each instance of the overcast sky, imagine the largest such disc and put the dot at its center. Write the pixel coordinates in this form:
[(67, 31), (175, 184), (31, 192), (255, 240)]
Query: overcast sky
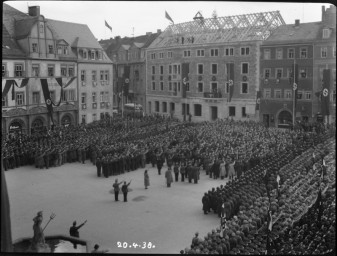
[(145, 16)]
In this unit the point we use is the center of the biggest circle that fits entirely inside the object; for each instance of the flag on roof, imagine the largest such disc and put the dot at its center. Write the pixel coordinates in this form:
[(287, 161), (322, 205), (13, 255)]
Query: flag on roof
[(108, 26), (167, 16)]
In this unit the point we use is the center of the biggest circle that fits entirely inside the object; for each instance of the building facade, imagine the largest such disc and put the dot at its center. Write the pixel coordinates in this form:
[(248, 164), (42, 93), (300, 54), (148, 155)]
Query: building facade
[(292, 45), (216, 60), (66, 57)]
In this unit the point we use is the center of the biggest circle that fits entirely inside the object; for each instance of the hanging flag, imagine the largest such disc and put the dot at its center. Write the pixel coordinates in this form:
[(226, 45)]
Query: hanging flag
[(126, 77), (258, 100), (326, 92), (167, 16), (8, 85), (108, 26), (230, 76), (185, 69), (13, 90), (294, 79), (23, 83), (46, 93)]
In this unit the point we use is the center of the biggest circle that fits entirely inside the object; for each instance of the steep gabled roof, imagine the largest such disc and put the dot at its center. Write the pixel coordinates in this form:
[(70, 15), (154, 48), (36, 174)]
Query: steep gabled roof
[(9, 46), (9, 14), (24, 26), (77, 35)]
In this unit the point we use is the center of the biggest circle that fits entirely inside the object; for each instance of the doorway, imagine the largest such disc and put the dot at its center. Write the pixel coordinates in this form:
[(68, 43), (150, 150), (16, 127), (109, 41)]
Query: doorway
[(214, 113)]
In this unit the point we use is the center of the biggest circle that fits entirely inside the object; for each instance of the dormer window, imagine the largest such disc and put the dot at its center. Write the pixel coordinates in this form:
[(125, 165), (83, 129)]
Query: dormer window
[(84, 54), (92, 55), (41, 28), (326, 33), (65, 50), (59, 49)]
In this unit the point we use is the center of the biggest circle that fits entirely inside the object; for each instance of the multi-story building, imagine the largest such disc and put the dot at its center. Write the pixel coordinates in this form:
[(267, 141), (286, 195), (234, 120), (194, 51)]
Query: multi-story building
[(59, 53), (325, 58), (290, 45), (128, 56), (221, 57)]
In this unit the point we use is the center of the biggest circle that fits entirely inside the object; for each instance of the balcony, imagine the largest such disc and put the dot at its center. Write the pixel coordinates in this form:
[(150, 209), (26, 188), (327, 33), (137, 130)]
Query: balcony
[(213, 95)]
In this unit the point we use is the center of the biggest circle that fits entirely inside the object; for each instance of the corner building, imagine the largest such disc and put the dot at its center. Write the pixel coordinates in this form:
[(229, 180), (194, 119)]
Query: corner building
[(215, 53)]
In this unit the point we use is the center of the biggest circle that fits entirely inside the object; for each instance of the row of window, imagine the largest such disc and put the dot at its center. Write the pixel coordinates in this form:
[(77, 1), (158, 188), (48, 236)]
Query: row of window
[(197, 109), (176, 87), (288, 94), (94, 116), (61, 49), (103, 97), (65, 70), (291, 53), (104, 75), (229, 51), (175, 69), (90, 54)]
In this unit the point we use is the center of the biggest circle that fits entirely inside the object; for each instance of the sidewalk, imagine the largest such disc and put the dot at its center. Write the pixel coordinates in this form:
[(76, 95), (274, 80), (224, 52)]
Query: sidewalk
[(166, 217)]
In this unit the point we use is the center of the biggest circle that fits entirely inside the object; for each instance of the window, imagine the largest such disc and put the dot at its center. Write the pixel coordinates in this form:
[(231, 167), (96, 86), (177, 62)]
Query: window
[(156, 106), (162, 86), (170, 69), (291, 53), (59, 50), (84, 117), (164, 107), (279, 54), (35, 70), (93, 75), (51, 49), (101, 97), (4, 101), (326, 33), (169, 55), (36, 97), (214, 69), (244, 68), (231, 111), (161, 68), (92, 55), (299, 95), (153, 70), (65, 50), (63, 70), (288, 94), (200, 86), (200, 69), (334, 51), (324, 52), (94, 97), (34, 47), (106, 97), (170, 86), (267, 72), (71, 95), (41, 28), (20, 100), (84, 54), (243, 112), (99, 55), (187, 53), (50, 70), (185, 107), (277, 94), (307, 95), (106, 73), (94, 117), (303, 72), (266, 54), (83, 75), (18, 70), (289, 72), (161, 55), (214, 52), (304, 53), (267, 93), (229, 51), (214, 87), (200, 53), (153, 56), (279, 73), (153, 85), (4, 71), (83, 98), (101, 75), (244, 87), (197, 110), (244, 50)]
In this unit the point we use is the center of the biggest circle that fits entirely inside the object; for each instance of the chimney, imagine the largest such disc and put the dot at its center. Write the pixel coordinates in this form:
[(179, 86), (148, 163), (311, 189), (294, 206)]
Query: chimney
[(297, 23), (117, 38), (148, 33), (34, 11), (158, 31), (323, 12)]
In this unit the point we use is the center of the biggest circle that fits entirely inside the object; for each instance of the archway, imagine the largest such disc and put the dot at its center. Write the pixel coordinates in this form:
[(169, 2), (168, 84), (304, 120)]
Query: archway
[(16, 127), (66, 120), (285, 117)]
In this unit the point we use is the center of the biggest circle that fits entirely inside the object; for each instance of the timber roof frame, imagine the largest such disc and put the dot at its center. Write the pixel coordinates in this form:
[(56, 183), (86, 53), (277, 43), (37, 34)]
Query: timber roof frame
[(245, 27)]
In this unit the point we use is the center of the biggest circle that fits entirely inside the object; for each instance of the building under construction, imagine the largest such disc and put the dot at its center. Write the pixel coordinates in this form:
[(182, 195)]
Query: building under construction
[(208, 68)]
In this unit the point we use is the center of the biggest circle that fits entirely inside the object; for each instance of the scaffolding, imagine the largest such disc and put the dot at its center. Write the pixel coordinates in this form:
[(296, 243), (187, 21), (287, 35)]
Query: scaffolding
[(247, 27)]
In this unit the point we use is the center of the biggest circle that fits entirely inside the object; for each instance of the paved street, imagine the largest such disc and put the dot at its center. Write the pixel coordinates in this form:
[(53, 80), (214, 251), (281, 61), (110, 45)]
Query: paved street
[(166, 217)]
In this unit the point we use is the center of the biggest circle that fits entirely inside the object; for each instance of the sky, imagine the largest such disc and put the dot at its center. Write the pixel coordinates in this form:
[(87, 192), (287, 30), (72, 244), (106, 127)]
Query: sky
[(128, 18)]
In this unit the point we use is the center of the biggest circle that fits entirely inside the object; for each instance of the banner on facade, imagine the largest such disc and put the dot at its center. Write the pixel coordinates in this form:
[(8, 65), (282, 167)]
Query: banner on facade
[(230, 79), (126, 77), (326, 92), (46, 93), (258, 100), (8, 85), (185, 70)]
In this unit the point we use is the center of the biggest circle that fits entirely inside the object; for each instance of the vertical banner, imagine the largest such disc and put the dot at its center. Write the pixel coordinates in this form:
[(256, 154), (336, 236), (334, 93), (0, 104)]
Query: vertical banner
[(326, 92), (46, 93), (126, 77), (8, 85), (185, 69), (230, 77), (294, 79), (258, 100)]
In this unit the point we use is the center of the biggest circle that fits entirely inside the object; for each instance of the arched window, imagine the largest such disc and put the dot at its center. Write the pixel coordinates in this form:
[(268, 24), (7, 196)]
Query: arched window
[(65, 121), (41, 28)]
